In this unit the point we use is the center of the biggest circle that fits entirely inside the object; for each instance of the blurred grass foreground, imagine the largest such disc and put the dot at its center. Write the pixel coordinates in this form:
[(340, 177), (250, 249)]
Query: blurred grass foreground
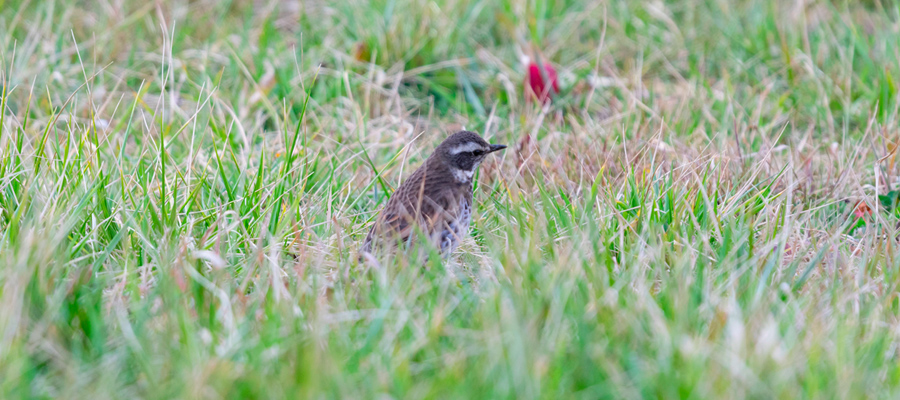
[(699, 199)]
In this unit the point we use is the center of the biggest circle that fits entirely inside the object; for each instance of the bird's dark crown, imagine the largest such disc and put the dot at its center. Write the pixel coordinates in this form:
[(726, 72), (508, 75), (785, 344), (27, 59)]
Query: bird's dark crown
[(464, 150)]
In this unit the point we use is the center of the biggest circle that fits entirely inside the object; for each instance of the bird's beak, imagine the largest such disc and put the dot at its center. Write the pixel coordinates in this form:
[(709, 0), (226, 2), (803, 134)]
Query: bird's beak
[(495, 147)]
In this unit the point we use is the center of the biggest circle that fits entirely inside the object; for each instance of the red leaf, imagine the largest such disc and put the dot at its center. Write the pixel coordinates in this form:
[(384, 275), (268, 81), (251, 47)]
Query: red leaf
[(536, 83), (861, 210)]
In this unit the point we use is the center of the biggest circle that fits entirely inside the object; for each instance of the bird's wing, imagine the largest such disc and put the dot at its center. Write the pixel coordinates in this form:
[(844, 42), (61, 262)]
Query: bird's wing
[(437, 203), (422, 201)]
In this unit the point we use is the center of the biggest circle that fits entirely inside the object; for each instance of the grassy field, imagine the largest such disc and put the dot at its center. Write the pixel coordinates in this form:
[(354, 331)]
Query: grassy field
[(706, 210)]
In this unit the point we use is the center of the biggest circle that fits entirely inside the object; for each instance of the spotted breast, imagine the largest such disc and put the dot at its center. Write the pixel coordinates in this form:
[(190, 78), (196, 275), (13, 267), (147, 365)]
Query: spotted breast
[(453, 234)]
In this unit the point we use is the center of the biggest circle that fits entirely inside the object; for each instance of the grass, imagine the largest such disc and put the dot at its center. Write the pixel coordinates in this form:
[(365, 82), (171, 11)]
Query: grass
[(183, 188)]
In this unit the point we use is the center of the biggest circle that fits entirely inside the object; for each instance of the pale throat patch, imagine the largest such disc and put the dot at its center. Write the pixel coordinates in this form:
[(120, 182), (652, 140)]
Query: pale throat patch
[(462, 175), (465, 147)]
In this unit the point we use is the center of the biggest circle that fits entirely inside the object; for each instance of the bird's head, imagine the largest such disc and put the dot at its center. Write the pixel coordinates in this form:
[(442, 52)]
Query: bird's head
[(462, 152)]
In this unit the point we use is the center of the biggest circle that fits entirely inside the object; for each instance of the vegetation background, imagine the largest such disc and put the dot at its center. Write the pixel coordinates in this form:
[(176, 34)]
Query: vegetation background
[(704, 210)]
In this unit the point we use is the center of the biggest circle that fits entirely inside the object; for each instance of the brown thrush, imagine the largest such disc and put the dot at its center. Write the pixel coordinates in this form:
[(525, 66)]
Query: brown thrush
[(436, 199)]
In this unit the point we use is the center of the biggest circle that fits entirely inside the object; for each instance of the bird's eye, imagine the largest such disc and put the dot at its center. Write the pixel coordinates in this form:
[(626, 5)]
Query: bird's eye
[(477, 153)]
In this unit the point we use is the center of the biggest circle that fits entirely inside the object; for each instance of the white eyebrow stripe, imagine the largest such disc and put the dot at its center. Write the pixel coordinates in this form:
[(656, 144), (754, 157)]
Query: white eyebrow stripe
[(465, 147)]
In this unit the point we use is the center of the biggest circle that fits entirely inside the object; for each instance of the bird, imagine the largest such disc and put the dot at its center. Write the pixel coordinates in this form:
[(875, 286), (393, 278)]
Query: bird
[(436, 200)]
